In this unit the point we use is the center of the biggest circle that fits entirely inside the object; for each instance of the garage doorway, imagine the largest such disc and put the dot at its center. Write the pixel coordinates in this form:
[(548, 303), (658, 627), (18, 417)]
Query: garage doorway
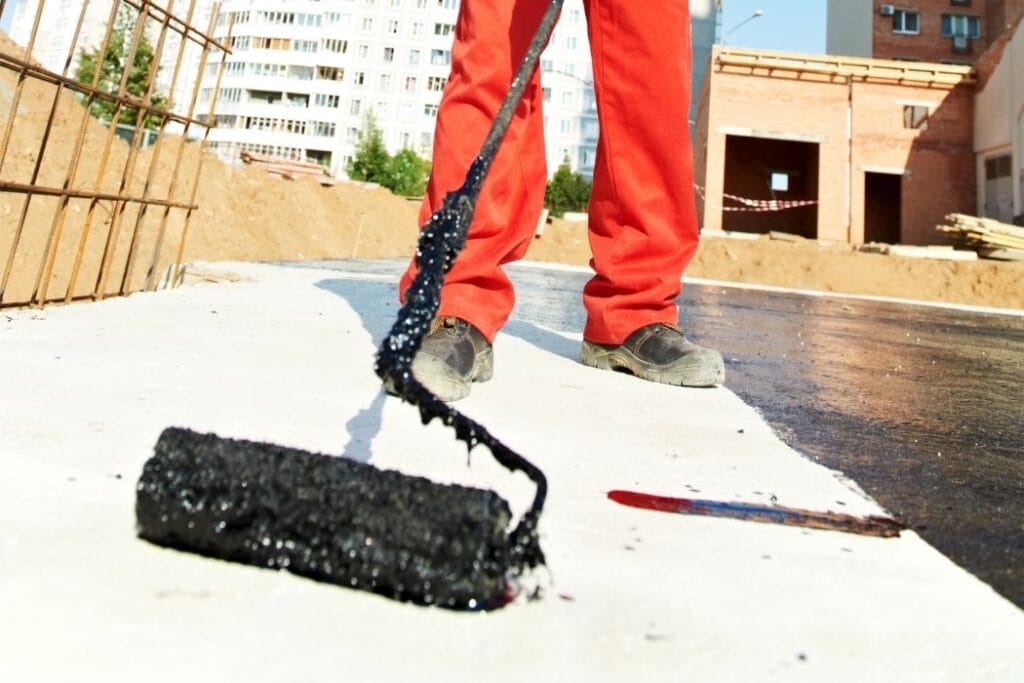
[(769, 169), (883, 198)]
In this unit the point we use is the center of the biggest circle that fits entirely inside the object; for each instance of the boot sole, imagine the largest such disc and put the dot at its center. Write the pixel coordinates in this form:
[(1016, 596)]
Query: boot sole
[(445, 384), (704, 368)]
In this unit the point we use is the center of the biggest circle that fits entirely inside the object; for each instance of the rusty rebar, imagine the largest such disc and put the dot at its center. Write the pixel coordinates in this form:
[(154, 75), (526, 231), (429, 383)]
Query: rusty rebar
[(140, 126), (125, 195), (172, 184), (49, 253), (5, 143), (128, 170), (202, 145)]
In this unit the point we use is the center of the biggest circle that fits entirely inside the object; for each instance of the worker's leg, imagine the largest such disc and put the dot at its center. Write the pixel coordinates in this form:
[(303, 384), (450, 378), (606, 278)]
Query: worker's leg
[(491, 37), (643, 222)]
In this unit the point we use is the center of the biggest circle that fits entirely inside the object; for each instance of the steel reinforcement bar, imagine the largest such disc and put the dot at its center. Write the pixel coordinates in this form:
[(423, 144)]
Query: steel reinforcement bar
[(31, 257)]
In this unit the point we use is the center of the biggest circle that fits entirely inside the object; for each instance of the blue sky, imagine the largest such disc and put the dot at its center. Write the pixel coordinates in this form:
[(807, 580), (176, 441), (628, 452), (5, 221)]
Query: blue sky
[(793, 25)]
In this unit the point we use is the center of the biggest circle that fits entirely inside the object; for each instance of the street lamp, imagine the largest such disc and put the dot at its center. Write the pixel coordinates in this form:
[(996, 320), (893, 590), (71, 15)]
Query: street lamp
[(757, 13)]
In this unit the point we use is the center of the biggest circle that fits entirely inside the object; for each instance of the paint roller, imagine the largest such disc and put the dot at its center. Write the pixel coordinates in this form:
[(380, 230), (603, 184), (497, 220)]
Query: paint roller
[(349, 523)]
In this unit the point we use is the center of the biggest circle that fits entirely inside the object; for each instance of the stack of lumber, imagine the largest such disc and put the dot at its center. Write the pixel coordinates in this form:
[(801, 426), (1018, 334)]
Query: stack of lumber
[(989, 238), (288, 168)]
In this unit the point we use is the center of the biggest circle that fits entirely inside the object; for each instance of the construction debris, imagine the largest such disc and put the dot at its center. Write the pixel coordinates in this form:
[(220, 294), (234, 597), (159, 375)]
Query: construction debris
[(988, 237), (288, 168)]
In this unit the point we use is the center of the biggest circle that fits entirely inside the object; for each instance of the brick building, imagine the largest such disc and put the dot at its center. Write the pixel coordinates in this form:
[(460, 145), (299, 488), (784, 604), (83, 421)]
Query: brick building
[(946, 31), (884, 148)]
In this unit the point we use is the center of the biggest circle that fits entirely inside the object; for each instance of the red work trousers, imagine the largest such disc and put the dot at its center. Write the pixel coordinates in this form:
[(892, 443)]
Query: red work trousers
[(642, 218)]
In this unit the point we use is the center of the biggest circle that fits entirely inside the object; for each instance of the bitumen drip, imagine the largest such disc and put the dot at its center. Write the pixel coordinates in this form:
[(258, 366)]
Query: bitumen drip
[(326, 518), (440, 242)]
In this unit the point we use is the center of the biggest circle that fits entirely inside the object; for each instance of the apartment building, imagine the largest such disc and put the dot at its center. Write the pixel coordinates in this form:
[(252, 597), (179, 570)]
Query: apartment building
[(945, 31), (304, 74), (56, 28)]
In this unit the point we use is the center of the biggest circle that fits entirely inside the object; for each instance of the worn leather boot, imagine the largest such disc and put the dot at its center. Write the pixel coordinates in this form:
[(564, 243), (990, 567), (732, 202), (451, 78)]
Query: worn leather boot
[(659, 353), (454, 354)]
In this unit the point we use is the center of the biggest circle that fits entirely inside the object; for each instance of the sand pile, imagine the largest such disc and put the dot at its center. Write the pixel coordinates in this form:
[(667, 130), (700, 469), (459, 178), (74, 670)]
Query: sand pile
[(246, 214)]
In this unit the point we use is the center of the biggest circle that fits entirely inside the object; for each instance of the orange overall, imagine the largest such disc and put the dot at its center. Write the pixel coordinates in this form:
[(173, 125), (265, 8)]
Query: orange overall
[(642, 218)]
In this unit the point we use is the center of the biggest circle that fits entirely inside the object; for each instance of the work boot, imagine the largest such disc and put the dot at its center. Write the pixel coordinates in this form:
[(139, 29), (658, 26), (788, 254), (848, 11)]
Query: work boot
[(659, 353), (454, 354)]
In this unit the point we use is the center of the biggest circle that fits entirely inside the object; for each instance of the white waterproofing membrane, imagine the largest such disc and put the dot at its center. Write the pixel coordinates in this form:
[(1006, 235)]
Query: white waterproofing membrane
[(285, 355)]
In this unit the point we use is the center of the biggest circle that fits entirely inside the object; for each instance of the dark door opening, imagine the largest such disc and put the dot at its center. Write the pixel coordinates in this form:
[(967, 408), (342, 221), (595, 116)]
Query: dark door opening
[(883, 194), (766, 169)]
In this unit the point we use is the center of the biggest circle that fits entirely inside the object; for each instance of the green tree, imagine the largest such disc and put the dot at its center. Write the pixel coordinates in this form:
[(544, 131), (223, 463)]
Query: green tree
[(371, 161), (567, 191), (407, 174), (112, 67)]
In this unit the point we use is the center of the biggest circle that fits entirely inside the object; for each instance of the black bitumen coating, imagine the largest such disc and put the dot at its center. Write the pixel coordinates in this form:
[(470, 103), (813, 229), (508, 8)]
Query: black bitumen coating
[(327, 518)]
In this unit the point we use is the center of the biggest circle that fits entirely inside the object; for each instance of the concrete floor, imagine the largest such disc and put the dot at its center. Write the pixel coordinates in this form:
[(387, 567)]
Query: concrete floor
[(286, 356)]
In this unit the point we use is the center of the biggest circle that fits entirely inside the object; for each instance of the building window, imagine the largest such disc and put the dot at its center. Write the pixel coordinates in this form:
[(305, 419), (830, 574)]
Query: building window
[(998, 167), (414, 56), (330, 73), (355, 107), (335, 45), (906, 21), (410, 84), (915, 116), (961, 25), (389, 54), (327, 101), (436, 83), (430, 110)]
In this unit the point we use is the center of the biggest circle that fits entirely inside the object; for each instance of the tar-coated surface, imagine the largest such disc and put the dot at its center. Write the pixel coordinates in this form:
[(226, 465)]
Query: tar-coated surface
[(923, 407), (327, 518)]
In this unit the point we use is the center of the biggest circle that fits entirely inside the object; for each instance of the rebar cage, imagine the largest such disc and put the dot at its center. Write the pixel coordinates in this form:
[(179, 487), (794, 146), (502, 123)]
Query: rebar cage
[(99, 164)]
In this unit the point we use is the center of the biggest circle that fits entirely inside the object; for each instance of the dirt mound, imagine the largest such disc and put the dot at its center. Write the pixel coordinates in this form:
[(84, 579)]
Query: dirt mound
[(247, 214)]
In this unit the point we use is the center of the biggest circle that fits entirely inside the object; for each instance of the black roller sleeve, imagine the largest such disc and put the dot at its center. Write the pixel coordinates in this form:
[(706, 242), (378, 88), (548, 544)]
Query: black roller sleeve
[(327, 518)]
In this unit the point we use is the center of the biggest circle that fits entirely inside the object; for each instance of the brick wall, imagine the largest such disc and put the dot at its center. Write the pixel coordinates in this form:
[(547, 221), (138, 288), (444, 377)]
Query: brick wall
[(936, 164), (1002, 14), (929, 45)]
